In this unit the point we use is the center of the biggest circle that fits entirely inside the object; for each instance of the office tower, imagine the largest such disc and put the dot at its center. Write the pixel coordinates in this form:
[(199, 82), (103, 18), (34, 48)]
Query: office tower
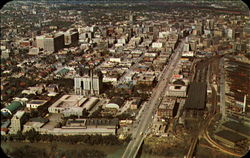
[(71, 38), (53, 43)]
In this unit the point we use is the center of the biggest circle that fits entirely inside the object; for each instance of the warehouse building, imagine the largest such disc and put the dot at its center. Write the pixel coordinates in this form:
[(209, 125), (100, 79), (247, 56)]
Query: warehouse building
[(238, 128), (168, 108), (84, 127), (229, 138)]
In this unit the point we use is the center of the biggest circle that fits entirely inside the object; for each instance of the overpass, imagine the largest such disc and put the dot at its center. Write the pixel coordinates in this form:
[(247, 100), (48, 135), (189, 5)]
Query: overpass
[(147, 118)]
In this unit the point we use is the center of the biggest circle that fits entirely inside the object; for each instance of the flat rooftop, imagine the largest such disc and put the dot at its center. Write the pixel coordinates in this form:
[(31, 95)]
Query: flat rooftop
[(231, 136), (67, 101), (96, 122), (19, 114), (238, 127), (37, 102), (196, 96), (167, 103)]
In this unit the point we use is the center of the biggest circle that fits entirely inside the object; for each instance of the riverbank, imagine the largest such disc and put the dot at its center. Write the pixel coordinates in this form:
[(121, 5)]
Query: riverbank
[(108, 150), (114, 151)]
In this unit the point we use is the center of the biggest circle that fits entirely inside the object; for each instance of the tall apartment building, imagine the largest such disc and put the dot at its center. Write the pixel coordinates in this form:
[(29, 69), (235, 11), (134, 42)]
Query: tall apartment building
[(88, 83)]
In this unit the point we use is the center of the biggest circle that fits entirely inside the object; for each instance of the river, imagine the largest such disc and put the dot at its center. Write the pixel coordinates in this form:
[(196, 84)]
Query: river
[(110, 151)]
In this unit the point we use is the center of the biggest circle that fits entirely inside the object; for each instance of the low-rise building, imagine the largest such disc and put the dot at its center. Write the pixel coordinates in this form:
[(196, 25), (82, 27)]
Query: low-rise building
[(17, 121), (35, 123), (177, 89), (73, 105), (135, 103), (168, 108), (86, 127), (33, 104)]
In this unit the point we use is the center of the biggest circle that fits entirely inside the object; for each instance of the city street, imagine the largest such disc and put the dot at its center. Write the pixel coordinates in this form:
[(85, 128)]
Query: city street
[(147, 118)]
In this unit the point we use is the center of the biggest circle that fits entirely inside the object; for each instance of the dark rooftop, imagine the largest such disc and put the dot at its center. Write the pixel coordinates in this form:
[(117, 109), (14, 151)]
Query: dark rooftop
[(196, 96), (39, 119), (111, 122), (238, 127), (231, 136)]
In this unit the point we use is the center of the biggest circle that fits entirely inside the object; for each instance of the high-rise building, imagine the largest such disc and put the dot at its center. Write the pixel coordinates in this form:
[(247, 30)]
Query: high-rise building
[(131, 18), (89, 82), (71, 38), (54, 43)]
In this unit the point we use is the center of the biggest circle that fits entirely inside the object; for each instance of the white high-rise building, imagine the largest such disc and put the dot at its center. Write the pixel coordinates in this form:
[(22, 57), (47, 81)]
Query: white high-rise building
[(89, 82)]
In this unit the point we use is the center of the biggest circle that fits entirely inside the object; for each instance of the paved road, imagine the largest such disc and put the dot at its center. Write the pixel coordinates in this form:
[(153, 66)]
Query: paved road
[(147, 118), (222, 89)]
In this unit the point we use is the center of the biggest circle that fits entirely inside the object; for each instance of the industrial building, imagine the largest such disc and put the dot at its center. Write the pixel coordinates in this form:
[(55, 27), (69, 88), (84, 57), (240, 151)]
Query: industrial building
[(238, 128), (75, 127), (229, 138), (35, 123)]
